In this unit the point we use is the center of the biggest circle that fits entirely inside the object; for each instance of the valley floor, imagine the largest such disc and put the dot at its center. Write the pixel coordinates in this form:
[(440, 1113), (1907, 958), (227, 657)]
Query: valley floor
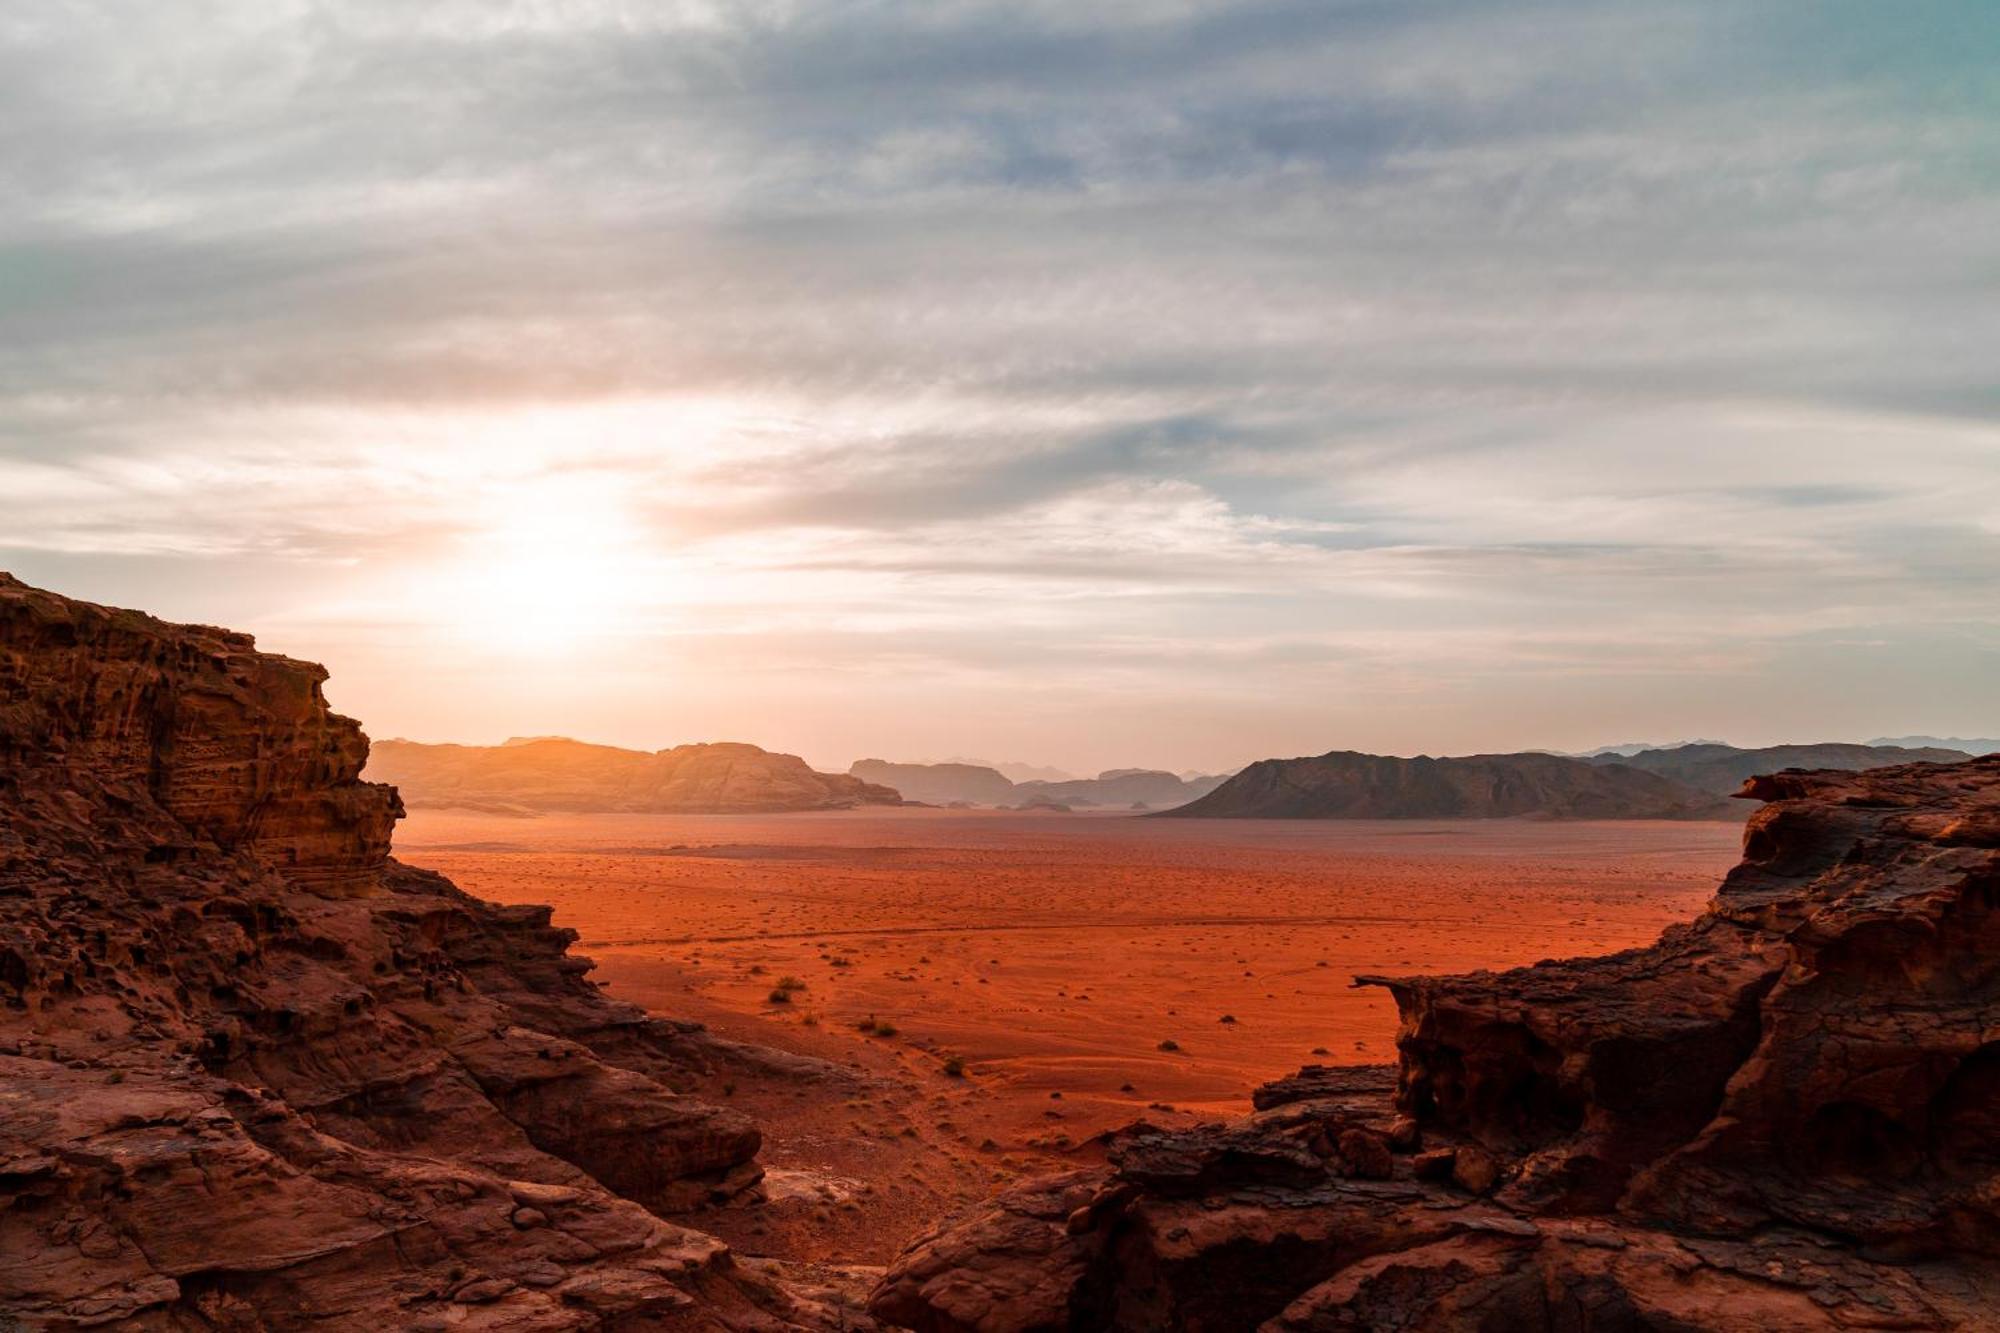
[(1052, 956)]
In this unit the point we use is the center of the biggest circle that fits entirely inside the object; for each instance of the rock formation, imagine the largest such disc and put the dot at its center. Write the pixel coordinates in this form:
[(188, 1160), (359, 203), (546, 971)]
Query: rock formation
[(1785, 1114), (553, 773), (1348, 785), (1720, 769), (256, 1074)]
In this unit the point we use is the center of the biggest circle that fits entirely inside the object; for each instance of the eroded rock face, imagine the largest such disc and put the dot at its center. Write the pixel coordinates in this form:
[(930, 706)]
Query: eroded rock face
[(1782, 1115), (254, 1073)]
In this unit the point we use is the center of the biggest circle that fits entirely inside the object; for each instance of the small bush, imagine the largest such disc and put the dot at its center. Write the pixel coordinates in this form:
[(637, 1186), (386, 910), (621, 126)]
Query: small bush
[(790, 983), (867, 1024), (954, 1068), (1170, 1045), (1229, 1018), (780, 996)]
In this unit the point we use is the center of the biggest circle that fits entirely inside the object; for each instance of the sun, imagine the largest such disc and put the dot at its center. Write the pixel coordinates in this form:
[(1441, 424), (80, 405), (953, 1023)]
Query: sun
[(545, 574)]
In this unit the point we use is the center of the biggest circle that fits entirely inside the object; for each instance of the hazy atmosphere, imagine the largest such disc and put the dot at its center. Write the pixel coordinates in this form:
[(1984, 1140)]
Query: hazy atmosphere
[(1178, 386)]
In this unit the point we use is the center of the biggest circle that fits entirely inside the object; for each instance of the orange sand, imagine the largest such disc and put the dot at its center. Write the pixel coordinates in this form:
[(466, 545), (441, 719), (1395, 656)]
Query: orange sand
[(1054, 953)]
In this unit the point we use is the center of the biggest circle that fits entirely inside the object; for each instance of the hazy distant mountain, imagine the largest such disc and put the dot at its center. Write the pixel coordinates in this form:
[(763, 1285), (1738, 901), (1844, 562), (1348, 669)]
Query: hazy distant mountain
[(1348, 785), (1125, 788), (1721, 769), (1014, 772), (976, 784), (1971, 745), (1630, 747), (553, 773), (938, 784)]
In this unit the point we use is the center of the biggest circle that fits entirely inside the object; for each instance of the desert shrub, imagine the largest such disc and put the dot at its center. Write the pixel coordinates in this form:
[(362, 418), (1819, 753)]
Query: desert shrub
[(954, 1068), (780, 995), (1170, 1045)]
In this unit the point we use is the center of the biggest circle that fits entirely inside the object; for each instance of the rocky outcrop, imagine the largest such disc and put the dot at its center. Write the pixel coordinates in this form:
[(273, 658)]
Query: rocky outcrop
[(256, 1074), (1781, 1115), (552, 773), (1720, 769), (1348, 785)]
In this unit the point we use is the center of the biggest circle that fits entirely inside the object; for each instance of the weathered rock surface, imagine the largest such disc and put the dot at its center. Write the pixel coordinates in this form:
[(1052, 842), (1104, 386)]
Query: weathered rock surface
[(552, 773), (256, 1074), (1782, 1115), (1348, 785)]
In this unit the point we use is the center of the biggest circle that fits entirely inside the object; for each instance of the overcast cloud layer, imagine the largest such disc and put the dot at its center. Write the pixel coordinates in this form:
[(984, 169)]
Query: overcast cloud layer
[(1163, 383)]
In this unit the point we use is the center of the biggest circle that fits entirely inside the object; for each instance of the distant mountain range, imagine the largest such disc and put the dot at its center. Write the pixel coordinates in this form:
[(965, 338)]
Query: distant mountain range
[(1016, 772), (1348, 785), (1683, 782), (1721, 769), (973, 784), (549, 773), (1971, 745)]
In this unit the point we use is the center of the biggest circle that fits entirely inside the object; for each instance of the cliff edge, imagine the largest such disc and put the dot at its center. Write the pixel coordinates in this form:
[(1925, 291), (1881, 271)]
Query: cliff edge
[(254, 1073)]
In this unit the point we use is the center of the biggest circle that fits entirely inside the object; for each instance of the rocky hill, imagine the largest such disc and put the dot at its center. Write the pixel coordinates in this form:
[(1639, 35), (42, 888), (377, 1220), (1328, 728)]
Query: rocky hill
[(255, 1074), (555, 773), (1720, 769), (1348, 785), (1782, 1115)]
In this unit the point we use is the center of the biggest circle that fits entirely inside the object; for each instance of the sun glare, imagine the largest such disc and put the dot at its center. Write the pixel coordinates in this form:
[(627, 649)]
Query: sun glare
[(546, 573)]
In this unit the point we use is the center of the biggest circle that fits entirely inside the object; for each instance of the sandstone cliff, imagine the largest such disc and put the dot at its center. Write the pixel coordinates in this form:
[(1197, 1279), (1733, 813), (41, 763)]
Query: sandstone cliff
[(1783, 1115), (256, 1074), (1348, 785), (552, 773)]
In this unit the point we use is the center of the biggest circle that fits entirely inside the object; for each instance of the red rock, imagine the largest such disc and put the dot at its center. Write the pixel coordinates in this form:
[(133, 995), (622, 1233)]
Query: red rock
[(256, 1074), (1365, 1154), (1474, 1170)]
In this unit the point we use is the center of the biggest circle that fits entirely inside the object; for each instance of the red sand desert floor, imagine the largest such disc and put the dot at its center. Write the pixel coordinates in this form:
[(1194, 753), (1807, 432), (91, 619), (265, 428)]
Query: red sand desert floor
[(1053, 955)]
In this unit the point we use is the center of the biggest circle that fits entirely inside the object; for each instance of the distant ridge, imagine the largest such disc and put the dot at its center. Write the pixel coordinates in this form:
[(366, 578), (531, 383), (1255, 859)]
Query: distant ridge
[(1971, 745), (529, 775), (1345, 784), (1721, 769), (977, 784)]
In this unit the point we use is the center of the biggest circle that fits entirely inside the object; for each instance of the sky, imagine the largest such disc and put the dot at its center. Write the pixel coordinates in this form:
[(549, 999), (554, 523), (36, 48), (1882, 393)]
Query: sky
[(1147, 382)]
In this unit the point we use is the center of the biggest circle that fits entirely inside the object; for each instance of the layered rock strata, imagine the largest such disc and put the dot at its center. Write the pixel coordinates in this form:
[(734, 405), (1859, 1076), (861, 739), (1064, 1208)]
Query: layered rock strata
[(254, 1073)]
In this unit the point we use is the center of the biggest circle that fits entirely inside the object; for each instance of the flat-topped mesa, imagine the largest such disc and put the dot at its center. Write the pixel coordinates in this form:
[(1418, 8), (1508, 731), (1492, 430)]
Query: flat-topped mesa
[(238, 746), (1784, 1114)]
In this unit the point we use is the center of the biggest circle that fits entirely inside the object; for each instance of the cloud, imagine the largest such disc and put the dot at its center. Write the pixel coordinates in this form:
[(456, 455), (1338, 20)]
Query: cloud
[(1490, 336)]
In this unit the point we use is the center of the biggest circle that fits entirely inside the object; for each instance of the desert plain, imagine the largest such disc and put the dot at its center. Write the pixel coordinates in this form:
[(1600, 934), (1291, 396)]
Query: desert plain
[(998, 988)]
